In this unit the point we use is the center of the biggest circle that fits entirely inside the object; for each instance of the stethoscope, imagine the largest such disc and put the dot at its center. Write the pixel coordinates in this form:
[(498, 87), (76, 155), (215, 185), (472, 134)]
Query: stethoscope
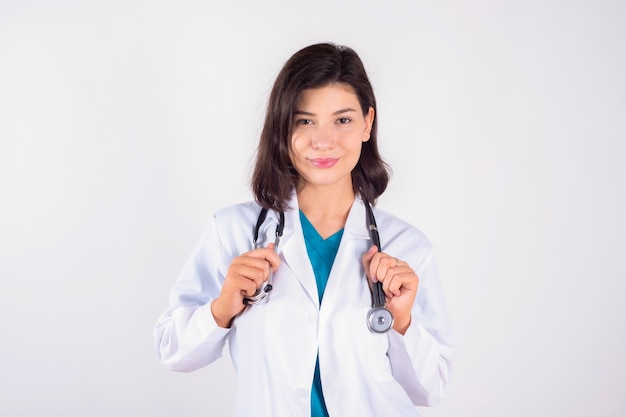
[(379, 318)]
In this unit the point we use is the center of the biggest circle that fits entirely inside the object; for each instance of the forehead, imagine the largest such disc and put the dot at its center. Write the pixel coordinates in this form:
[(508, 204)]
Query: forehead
[(328, 96)]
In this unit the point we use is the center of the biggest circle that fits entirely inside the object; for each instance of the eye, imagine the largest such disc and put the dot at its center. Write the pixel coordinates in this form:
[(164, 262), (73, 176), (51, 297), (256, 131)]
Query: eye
[(344, 120), (304, 122)]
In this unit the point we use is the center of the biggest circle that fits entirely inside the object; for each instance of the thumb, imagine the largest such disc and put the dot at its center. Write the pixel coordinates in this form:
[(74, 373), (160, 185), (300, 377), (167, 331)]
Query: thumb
[(367, 258), (373, 250)]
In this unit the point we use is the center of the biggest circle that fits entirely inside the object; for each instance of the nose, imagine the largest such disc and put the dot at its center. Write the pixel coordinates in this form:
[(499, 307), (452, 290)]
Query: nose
[(322, 138)]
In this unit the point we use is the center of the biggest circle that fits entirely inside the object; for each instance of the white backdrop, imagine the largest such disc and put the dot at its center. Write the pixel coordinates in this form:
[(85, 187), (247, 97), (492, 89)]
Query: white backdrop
[(124, 124)]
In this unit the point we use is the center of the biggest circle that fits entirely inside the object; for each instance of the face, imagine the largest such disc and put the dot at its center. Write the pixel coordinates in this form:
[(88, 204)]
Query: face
[(329, 129)]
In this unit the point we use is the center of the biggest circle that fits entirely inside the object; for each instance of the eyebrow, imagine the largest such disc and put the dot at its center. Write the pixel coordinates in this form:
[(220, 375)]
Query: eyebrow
[(341, 111)]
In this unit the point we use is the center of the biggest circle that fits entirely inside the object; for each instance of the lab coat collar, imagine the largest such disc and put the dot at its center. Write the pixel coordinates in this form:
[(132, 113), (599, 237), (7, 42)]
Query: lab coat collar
[(295, 255)]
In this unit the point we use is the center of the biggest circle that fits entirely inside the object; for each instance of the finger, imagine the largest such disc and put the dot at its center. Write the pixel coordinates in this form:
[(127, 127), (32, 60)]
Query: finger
[(400, 262), (403, 279), (389, 280), (379, 265), (268, 254), (383, 263), (256, 260), (396, 282), (273, 259), (258, 273), (245, 263), (246, 286), (388, 268), (245, 278)]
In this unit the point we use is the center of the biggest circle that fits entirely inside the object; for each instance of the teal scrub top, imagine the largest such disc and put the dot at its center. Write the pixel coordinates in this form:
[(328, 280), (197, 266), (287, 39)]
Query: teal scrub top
[(322, 254)]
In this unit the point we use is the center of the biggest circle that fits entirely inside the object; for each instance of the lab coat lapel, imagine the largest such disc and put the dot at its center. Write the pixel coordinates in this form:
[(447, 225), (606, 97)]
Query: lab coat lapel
[(294, 251), (353, 246)]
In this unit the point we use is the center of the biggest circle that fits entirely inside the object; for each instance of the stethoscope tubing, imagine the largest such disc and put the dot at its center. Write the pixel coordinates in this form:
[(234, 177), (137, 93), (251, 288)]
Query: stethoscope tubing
[(378, 293), (379, 318)]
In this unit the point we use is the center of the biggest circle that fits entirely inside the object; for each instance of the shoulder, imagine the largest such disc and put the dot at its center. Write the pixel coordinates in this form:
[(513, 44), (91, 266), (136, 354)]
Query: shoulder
[(385, 219), (231, 228), (242, 213), (233, 220), (400, 236)]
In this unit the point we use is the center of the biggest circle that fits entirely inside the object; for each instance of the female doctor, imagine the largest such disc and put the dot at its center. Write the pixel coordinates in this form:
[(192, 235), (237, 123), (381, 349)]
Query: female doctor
[(295, 310)]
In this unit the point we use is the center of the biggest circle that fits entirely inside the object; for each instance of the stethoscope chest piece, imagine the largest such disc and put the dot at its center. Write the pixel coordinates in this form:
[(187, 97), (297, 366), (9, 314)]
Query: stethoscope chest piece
[(379, 319)]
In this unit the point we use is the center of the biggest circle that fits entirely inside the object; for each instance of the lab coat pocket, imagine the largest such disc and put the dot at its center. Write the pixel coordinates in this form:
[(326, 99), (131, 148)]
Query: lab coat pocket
[(377, 346)]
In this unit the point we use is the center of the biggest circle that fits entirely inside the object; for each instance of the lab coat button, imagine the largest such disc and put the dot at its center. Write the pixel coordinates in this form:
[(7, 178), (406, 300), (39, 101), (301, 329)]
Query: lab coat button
[(301, 393)]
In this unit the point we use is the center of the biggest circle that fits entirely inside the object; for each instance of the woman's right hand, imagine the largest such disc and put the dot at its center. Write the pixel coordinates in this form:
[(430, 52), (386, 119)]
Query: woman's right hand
[(246, 274)]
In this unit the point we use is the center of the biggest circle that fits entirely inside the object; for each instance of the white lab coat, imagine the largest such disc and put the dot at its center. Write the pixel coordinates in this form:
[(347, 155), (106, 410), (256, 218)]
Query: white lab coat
[(274, 345)]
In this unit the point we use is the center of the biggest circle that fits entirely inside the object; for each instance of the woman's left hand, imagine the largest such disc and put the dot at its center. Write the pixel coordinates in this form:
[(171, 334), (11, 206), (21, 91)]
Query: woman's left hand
[(399, 281)]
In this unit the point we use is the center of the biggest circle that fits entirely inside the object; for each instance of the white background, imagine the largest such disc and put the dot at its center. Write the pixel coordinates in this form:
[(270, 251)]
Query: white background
[(124, 124)]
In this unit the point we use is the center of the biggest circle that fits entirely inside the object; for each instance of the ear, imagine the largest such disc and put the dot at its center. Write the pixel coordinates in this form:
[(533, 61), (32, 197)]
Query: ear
[(369, 121)]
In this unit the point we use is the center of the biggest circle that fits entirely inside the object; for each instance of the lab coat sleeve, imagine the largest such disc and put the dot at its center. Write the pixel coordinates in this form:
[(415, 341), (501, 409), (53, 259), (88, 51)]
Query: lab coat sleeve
[(421, 359), (186, 335)]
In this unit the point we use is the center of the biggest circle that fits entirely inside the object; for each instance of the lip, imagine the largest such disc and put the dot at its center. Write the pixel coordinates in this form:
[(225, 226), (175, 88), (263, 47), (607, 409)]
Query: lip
[(323, 162)]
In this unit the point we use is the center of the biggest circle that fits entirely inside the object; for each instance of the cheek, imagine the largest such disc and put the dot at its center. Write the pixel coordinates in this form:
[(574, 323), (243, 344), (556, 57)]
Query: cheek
[(300, 144), (294, 151), (355, 145)]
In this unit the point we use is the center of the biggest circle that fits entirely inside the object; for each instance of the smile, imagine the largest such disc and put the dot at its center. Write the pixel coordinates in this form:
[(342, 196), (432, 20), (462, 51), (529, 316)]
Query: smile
[(323, 162)]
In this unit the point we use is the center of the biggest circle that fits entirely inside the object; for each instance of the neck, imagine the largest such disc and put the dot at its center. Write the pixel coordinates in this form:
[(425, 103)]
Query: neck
[(327, 209)]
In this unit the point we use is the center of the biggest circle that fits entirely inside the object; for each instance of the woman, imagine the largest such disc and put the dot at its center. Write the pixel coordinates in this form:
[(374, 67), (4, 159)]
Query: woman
[(306, 347)]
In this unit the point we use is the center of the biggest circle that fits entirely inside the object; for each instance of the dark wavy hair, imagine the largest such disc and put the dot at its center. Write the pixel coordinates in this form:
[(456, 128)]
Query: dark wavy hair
[(315, 66)]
